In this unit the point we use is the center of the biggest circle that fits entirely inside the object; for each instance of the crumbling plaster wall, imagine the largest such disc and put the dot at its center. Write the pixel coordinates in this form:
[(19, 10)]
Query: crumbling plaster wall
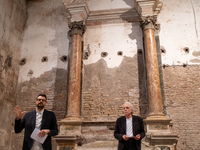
[(44, 53), (110, 73), (12, 23), (179, 38), (180, 29)]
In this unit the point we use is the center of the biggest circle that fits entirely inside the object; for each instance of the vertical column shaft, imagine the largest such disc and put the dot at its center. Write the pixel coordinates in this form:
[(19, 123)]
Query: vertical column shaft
[(74, 86), (153, 80)]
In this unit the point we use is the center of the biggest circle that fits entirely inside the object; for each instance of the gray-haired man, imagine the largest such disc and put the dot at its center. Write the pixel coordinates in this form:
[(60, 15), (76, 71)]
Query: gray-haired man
[(129, 130)]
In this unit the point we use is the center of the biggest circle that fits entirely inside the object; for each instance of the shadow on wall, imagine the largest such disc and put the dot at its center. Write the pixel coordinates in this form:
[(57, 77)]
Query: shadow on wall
[(143, 95)]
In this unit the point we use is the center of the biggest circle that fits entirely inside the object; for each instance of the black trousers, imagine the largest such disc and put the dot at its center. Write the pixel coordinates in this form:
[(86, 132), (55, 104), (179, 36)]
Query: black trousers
[(130, 145)]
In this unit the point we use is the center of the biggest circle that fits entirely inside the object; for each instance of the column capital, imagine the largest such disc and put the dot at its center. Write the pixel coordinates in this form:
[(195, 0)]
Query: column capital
[(78, 9), (149, 22), (77, 27)]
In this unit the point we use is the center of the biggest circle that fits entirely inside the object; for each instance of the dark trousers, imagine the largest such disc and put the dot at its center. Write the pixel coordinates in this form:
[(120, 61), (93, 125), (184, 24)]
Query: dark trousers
[(130, 145)]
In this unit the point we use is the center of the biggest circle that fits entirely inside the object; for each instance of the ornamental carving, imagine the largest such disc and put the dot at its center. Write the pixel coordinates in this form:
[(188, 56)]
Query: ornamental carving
[(148, 22), (77, 28)]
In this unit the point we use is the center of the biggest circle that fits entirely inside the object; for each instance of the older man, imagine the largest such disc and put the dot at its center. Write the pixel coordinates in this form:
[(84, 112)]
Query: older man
[(41, 119), (129, 130)]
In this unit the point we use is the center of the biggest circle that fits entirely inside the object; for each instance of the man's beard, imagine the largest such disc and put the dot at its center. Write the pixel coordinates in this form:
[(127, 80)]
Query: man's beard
[(39, 106)]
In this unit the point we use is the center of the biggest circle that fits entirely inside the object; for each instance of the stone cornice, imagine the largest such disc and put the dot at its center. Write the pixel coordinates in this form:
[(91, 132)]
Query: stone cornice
[(125, 13), (78, 9), (148, 7)]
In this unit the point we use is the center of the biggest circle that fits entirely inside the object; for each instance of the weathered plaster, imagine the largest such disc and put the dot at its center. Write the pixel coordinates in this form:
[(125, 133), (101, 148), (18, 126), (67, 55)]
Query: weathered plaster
[(12, 23), (179, 30), (45, 35), (125, 37)]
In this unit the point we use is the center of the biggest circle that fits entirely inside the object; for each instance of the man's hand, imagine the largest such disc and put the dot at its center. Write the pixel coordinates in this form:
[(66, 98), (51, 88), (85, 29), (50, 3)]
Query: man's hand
[(137, 137), (18, 112), (125, 137), (42, 133)]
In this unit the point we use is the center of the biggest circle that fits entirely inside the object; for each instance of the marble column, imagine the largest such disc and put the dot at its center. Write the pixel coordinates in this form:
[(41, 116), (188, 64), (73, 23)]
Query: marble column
[(74, 86), (157, 125), (153, 81)]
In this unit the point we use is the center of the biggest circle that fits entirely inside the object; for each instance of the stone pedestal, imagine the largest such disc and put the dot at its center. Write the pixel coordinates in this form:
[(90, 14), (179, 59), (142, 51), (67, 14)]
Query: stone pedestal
[(158, 126), (159, 134)]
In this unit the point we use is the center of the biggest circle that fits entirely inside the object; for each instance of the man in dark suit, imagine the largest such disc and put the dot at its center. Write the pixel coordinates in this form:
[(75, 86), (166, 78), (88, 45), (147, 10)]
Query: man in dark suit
[(41, 119), (129, 130)]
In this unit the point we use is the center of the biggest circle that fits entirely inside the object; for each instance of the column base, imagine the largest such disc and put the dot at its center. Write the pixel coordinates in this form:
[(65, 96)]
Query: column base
[(159, 134), (70, 131), (66, 142), (77, 120)]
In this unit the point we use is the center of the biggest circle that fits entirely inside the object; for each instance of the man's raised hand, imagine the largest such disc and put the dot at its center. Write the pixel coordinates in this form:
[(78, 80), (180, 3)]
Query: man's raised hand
[(18, 112)]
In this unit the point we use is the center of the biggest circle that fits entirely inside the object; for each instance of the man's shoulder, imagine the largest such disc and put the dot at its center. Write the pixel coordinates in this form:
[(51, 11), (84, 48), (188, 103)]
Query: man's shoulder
[(48, 112), (121, 118), (137, 117), (30, 112)]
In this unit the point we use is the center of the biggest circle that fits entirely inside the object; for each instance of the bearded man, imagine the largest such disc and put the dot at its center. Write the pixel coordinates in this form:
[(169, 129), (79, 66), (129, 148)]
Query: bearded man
[(41, 119)]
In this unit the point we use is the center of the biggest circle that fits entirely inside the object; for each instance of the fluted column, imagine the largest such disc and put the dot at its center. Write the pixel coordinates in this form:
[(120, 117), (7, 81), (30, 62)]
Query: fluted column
[(153, 80), (74, 86)]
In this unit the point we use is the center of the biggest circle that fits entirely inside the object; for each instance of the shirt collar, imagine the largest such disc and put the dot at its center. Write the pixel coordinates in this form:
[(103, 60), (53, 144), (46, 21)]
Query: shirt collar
[(40, 112)]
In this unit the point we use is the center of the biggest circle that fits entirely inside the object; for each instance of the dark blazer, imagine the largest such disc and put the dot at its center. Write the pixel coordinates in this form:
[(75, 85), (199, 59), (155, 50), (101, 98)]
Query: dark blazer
[(120, 130), (28, 122)]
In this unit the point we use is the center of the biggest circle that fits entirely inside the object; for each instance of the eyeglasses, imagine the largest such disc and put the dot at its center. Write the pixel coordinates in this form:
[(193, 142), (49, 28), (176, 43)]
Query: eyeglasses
[(126, 107), (43, 100)]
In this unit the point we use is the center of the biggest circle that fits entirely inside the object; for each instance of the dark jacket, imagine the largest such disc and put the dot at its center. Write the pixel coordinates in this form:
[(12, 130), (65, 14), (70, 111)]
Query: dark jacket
[(120, 130), (28, 122)]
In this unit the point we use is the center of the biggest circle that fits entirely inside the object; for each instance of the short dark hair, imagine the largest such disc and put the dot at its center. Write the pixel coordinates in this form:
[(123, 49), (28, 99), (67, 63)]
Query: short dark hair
[(43, 95)]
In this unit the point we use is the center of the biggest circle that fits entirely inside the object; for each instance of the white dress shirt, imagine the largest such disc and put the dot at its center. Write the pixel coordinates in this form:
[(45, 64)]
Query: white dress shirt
[(129, 127), (37, 145)]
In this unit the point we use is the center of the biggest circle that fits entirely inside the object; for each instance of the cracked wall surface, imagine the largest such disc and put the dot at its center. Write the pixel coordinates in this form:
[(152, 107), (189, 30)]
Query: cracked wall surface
[(12, 23)]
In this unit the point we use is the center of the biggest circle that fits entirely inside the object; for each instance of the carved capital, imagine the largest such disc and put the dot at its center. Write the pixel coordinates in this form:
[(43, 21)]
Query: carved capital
[(76, 28), (148, 22)]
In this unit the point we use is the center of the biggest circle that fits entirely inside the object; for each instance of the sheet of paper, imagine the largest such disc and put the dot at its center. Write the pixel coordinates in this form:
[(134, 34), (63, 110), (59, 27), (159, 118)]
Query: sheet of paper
[(35, 136), (131, 136)]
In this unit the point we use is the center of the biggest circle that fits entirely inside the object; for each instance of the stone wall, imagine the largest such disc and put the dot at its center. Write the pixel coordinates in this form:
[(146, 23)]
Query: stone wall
[(44, 59), (182, 103), (110, 73), (179, 39), (12, 23)]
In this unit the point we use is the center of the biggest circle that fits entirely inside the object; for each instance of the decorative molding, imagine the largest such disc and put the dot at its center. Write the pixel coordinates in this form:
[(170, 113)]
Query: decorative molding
[(76, 28), (125, 13), (148, 7), (78, 9)]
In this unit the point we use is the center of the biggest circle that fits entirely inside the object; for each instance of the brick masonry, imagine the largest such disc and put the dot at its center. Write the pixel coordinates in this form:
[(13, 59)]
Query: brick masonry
[(182, 101), (106, 89)]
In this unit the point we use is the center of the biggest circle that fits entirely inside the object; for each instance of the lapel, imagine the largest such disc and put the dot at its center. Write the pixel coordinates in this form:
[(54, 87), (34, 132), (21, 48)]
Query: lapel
[(43, 118), (124, 124), (34, 119), (133, 120)]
